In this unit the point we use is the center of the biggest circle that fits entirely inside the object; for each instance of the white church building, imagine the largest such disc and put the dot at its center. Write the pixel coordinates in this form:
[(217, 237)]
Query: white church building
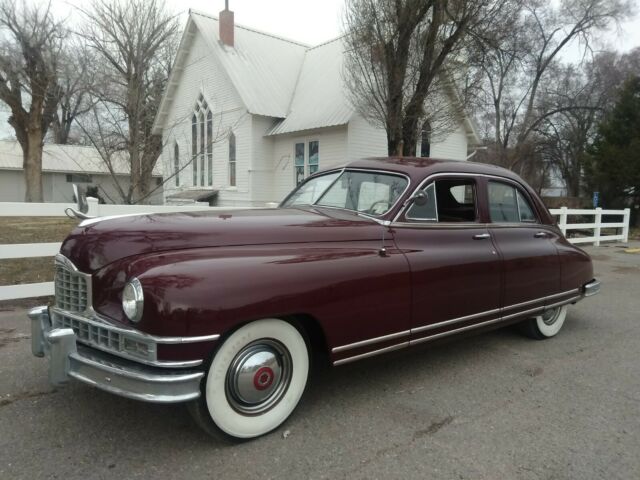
[(258, 113)]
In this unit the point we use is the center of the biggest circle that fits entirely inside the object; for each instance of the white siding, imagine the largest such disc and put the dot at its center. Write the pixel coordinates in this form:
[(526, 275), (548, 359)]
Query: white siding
[(452, 147), (203, 74), (55, 187), (261, 172), (332, 152), (366, 140)]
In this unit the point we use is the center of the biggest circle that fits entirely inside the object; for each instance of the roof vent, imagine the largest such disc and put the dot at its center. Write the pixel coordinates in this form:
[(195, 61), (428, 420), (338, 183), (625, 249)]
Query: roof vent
[(226, 25)]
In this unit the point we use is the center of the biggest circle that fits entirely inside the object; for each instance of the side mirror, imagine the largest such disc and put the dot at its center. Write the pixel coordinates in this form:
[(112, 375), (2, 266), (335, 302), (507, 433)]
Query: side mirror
[(420, 199)]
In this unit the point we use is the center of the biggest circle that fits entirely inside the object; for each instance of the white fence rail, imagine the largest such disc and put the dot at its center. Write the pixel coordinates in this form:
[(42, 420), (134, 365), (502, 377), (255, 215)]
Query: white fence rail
[(597, 226), (29, 250)]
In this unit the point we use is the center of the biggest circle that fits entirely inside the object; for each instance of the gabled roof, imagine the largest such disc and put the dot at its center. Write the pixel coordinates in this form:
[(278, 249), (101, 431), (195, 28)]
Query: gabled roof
[(275, 77), (319, 99), (65, 159), (263, 68)]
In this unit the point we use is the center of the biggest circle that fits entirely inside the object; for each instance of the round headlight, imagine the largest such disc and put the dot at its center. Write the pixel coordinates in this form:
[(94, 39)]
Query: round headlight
[(133, 300)]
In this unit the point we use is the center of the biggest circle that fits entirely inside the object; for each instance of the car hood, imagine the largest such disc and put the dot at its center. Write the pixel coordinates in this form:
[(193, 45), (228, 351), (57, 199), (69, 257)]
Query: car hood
[(98, 242)]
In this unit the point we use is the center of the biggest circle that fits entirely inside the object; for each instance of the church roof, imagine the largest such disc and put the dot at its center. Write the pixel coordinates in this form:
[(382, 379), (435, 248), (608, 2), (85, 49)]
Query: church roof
[(319, 99), (275, 77)]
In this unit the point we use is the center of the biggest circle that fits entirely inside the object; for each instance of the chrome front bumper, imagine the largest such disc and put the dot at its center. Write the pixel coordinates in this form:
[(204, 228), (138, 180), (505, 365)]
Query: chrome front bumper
[(127, 378)]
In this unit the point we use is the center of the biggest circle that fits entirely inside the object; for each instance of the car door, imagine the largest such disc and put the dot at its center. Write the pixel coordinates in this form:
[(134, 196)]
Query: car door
[(455, 269), (531, 261)]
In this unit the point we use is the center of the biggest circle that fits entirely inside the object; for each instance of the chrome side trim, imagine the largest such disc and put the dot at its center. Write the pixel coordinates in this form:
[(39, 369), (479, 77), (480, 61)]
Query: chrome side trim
[(536, 300), (453, 320), (541, 308), (450, 174), (370, 341), (563, 302), (451, 332), (371, 354)]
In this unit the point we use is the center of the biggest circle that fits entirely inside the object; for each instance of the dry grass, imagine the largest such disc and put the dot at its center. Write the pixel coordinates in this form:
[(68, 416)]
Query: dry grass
[(35, 229), (31, 230)]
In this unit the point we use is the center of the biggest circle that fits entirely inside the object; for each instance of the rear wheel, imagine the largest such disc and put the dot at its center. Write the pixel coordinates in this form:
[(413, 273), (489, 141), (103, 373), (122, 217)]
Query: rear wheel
[(255, 380), (546, 325)]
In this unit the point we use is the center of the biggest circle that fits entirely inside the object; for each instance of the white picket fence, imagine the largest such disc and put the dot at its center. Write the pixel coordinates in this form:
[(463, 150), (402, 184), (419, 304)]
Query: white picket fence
[(28, 250), (597, 225)]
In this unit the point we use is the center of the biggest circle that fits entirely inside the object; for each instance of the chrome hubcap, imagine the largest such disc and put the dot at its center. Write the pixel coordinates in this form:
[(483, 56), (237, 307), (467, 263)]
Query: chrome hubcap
[(258, 377), (549, 317)]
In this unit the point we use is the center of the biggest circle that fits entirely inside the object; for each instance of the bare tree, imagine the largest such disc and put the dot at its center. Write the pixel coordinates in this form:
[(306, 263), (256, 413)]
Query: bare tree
[(77, 77), (29, 54), (582, 96), (516, 67), (135, 40), (396, 56)]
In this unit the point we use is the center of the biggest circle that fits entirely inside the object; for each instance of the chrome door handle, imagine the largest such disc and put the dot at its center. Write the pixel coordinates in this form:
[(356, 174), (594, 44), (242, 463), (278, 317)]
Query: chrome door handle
[(541, 235), (481, 236)]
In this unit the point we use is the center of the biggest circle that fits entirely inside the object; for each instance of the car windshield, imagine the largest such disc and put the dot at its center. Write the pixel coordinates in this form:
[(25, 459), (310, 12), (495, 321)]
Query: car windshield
[(373, 193)]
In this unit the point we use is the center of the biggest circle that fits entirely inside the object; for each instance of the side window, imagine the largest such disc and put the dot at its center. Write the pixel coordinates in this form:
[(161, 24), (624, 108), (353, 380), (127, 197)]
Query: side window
[(427, 211), (524, 207), (448, 200), (508, 205)]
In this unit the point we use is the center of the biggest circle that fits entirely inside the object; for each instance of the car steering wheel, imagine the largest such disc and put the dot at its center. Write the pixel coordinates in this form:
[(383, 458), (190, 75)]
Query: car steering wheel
[(372, 208)]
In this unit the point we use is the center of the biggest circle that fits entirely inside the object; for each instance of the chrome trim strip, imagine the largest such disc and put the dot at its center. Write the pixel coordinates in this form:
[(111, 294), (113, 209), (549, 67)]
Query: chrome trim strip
[(370, 354), (489, 322), (370, 341), (536, 300), (134, 332), (524, 312), (450, 174), (453, 320), (451, 332), (136, 335)]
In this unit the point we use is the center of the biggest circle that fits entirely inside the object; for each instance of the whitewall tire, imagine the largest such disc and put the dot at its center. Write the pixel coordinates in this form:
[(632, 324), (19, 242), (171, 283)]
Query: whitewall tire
[(255, 380), (546, 325)]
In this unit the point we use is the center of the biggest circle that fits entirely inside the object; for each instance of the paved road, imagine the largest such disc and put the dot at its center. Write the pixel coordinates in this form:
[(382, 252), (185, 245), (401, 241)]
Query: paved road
[(494, 406)]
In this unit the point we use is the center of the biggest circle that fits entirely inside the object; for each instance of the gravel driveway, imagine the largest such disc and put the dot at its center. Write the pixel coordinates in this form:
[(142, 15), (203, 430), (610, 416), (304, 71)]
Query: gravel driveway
[(494, 406)]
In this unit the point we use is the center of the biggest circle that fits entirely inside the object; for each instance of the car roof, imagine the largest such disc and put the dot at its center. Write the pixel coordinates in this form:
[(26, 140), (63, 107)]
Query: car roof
[(418, 167)]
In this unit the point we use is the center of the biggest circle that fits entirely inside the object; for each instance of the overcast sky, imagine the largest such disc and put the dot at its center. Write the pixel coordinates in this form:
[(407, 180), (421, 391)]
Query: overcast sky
[(311, 22), (315, 21)]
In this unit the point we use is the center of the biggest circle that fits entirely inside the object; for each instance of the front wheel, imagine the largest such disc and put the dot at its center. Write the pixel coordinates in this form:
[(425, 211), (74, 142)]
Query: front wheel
[(546, 325), (255, 380)]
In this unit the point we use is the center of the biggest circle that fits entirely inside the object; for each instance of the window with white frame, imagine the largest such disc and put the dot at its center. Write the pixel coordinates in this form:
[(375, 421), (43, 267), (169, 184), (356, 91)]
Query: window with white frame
[(176, 163), (202, 143), (306, 159), (232, 159)]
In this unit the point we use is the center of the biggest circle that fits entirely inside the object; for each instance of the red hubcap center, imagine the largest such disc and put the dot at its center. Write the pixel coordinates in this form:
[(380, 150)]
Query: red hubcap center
[(263, 378)]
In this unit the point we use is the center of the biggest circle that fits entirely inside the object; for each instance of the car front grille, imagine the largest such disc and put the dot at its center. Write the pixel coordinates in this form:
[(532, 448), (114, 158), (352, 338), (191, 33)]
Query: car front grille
[(70, 288), (105, 337), (73, 310)]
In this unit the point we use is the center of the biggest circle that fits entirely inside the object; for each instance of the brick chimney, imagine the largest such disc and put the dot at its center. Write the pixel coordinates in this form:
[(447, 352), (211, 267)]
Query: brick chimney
[(226, 25)]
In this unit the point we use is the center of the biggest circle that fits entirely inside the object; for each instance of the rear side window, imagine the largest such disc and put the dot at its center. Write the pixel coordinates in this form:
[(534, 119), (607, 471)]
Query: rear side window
[(448, 200), (508, 205)]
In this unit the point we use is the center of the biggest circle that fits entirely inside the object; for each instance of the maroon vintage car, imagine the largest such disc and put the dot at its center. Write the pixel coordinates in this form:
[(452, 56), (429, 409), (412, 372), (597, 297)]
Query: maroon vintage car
[(224, 310)]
